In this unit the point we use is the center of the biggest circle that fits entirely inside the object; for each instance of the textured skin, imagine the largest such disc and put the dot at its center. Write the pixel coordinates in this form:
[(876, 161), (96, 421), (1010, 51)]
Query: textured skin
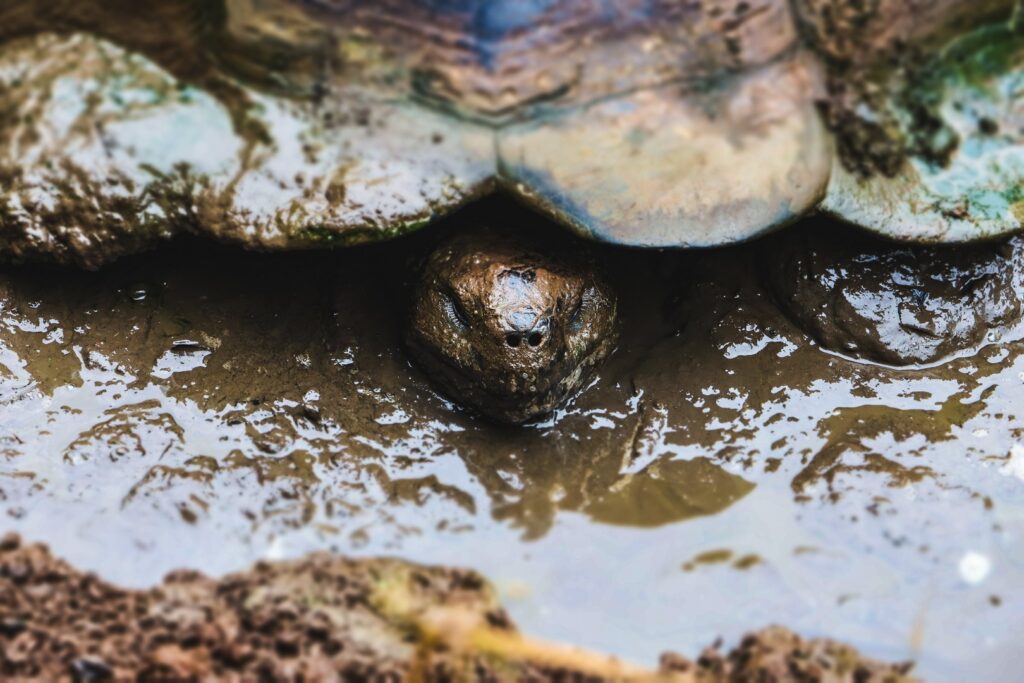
[(898, 305), (510, 327)]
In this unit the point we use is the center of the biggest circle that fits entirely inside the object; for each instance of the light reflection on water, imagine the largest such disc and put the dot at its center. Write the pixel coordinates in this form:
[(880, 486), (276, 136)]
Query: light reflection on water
[(260, 406)]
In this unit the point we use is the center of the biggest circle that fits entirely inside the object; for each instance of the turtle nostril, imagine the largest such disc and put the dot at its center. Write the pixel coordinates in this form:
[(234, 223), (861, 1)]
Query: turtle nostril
[(513, 340), (536, 339)]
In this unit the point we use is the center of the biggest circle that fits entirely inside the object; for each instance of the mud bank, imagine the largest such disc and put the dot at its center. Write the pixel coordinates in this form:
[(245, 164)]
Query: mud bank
[(323, 618)]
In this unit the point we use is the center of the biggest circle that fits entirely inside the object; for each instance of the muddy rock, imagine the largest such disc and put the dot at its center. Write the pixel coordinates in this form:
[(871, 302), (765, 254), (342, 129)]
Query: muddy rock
[(777, 654), (897, 304)]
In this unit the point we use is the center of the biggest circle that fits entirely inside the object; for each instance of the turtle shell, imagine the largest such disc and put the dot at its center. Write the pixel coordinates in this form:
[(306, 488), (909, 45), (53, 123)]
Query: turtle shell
[(299, 123)]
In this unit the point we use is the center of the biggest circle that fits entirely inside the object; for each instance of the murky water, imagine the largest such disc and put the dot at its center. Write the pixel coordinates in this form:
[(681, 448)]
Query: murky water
[(205, 407)]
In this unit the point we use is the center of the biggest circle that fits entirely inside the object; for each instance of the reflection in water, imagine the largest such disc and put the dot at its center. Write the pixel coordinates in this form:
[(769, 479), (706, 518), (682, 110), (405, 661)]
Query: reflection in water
[(667, 492), (286, 372), (205, 407)]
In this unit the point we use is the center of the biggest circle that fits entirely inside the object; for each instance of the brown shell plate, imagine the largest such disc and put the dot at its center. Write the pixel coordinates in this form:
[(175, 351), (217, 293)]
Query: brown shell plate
[(298, 123)]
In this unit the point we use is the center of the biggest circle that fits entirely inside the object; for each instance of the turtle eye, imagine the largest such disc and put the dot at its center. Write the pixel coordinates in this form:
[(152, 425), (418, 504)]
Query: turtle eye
[(587, 301), (454, 311), (576, 321)]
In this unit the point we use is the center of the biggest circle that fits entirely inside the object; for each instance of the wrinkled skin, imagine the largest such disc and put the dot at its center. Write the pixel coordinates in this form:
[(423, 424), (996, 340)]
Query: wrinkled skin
[(508, 327), (898, 304)]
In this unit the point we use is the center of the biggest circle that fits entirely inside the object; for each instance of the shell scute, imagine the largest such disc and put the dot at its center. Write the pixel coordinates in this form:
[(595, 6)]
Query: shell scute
[(295, 123)]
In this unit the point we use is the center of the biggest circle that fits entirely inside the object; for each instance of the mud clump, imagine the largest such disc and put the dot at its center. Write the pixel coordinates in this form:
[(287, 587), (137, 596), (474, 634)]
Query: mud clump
[(777, 654), (325, 618), (318, 619), (898, 305)]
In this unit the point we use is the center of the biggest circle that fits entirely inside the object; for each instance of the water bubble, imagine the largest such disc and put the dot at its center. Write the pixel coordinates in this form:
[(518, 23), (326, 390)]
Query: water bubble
[(974, 567)]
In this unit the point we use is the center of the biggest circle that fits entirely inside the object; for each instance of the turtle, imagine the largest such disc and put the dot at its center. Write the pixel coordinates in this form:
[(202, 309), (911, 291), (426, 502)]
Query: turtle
[(511, 324), (289, 124)]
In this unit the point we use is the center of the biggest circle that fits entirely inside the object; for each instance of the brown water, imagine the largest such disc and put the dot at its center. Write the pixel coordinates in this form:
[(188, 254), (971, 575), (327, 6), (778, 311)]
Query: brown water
[(205, 407)]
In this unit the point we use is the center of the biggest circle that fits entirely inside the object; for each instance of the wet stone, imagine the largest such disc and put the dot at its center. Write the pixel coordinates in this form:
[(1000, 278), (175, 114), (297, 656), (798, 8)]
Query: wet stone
[(90, 670)]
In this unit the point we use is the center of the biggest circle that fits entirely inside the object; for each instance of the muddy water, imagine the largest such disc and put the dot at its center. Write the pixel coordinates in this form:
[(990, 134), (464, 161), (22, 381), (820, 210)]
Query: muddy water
[(205, 407)]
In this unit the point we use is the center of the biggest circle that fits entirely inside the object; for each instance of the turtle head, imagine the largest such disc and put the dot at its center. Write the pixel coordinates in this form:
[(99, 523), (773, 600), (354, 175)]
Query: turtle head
[(508, 327)]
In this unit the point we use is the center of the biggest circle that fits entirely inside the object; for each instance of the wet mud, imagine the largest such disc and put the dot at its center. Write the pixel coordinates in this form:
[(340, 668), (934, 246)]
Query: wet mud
[(319, 619), (200, 407), (322, 618)]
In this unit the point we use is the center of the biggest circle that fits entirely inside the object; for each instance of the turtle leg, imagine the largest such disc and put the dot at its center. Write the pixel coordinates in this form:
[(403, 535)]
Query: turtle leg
[(898, 304)]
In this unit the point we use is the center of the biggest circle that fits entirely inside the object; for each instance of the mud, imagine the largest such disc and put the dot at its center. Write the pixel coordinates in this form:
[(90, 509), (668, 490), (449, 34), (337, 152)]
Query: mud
[(879, 93), (205, 408), (322, 618)]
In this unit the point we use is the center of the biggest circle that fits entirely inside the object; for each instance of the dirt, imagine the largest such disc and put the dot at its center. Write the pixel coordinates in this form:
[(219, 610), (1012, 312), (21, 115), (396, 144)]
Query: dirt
[(324, 618), (882, 70)]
